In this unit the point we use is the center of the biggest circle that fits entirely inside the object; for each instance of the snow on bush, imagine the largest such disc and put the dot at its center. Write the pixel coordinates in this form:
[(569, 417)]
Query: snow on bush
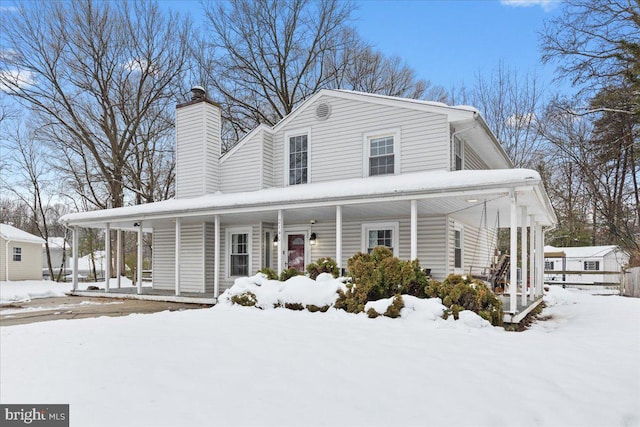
[(301, 292), (295, 290)]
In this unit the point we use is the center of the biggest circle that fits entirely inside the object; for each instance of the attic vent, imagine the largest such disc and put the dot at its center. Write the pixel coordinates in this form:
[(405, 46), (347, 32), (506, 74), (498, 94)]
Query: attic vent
[(323, 111)]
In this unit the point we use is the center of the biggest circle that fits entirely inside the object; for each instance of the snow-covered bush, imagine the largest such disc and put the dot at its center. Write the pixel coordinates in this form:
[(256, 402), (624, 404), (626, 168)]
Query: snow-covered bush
[(323, 265), (380, 275), (460, 293), (288, 273)]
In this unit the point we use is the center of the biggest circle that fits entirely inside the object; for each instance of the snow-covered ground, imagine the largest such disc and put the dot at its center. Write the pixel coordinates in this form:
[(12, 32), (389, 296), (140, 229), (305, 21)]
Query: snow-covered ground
[(27, 290), (239, 366)]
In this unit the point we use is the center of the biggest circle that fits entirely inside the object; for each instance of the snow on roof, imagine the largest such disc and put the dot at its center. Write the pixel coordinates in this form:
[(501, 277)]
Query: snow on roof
[(9, 232), (582, 251), (412, 100), (360, 188), (58, 242)]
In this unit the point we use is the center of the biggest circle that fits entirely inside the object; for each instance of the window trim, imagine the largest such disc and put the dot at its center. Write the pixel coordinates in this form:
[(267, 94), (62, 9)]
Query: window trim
[(458, 228), (228, 242), (366, 146), (17, 252), (394, 226), (596, 264), (290, 134)]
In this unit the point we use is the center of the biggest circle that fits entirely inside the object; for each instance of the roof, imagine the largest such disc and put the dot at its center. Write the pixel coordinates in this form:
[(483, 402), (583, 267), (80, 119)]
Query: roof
[(9, 232), (580, 251), (370, 188)]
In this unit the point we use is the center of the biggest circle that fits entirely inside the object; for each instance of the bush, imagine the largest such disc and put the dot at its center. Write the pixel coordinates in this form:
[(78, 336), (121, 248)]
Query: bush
[(247, 299), (323, 265), (380, 275), (394, 308), (288, 273), (313, 308), (463, 293), (270, 273)]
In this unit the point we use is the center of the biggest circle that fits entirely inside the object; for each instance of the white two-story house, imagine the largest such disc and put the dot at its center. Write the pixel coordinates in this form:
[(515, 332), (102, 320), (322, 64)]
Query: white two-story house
[(343, 173)]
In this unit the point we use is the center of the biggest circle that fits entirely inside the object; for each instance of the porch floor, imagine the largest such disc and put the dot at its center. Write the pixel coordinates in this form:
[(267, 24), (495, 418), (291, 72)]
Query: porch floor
[(521, 311), (150, 294)]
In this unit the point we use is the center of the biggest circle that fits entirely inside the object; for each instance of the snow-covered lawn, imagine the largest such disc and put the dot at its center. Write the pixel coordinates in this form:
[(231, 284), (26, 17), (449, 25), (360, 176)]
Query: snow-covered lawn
[(27, 290), (237, 366)]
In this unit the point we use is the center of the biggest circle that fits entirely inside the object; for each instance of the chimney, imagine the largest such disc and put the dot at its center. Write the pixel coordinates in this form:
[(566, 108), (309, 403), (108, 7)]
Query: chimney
[(198, 146)]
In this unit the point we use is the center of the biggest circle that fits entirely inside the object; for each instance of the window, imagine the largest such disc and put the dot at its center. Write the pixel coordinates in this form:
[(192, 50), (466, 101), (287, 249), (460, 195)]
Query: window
[(457, 245), (549, 265), (380, 234), (267, 247), (457, 154), (239, 250), (17, 254), (381, 152), (298, 159), (381, 157), (591, 265)]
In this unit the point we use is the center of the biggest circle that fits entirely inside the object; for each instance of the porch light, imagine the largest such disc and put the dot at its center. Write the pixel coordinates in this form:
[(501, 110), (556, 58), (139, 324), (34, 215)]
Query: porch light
[(472, 200), (275, 240), (312, 239)]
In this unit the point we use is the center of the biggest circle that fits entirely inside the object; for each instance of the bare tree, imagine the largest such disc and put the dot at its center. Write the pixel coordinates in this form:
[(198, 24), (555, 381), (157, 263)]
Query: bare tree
[(512, 104), (263, 58), (595, 43), (32, 183), (103, 77)]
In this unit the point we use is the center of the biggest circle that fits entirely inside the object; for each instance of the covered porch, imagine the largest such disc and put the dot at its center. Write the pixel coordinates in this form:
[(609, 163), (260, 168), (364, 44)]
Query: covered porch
[(424, 207)]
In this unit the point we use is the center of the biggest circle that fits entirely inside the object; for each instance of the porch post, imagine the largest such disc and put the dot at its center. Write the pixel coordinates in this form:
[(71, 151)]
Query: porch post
[(107, 256), (216, 256), (339, 238), (280, 241), (139, 284), (533, 266), (118, 256), (75, 258), (177, 256), (523, 253), (513, 255), (414, 229), (540, 252)]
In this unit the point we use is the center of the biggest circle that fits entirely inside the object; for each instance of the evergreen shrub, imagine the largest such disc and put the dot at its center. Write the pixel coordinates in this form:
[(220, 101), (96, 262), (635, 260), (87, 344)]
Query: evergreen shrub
[(323, 265)]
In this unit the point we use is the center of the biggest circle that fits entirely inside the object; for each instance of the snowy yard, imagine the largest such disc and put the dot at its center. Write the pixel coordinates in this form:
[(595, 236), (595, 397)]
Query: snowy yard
[(237, 366)]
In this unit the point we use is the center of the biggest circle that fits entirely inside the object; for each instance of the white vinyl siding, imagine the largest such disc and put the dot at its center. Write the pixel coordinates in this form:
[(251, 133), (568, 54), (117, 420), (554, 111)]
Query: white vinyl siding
[(337, 151), (267, 160), (192, 258), (472, 161), (197, 150), (164, 256), (241, 170)]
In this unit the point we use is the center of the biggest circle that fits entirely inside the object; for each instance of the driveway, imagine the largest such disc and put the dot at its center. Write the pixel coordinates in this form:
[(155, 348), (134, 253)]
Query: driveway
[(45, 309)]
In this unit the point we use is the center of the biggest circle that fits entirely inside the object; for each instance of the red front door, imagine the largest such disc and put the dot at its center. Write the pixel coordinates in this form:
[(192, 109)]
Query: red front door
[(295, 251)]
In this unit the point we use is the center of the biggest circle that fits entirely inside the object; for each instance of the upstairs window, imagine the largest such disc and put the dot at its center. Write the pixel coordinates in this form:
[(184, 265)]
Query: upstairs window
[(457, 154), (591, 265), (381, 152), (298, 159), (381, 156), (17, 254)]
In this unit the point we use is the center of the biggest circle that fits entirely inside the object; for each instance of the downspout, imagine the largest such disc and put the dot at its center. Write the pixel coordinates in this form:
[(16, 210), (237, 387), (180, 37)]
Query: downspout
[(453, 139)]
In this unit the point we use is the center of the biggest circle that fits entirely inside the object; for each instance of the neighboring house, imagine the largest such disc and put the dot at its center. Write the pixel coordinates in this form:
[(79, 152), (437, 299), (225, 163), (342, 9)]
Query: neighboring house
[(343, 173), (59, 251), (20, 254), (586, 265)]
